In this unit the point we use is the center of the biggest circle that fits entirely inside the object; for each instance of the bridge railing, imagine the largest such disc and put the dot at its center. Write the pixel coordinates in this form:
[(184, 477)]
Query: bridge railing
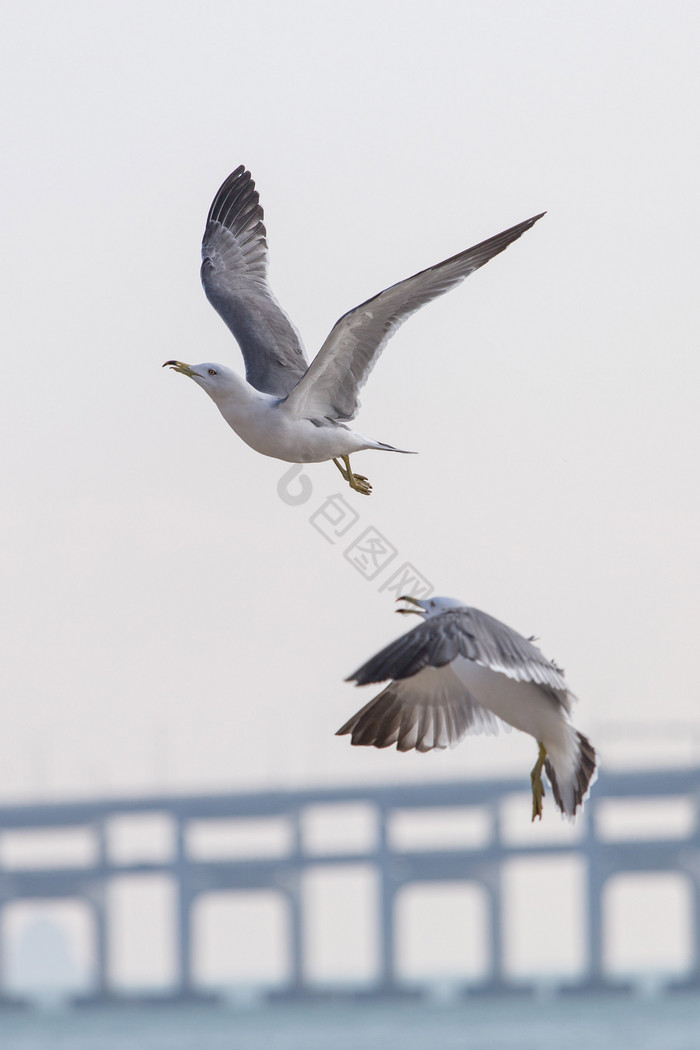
[(640, 821)]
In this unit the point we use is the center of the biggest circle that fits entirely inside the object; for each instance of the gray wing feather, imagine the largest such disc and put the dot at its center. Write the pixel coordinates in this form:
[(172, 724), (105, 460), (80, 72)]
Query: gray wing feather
[(426, 705), (464, 632), (332, 384), (430, 711), (234, 276)]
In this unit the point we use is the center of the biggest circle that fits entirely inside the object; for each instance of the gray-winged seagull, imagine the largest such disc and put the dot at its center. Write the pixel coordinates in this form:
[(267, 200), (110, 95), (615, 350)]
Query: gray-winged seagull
[(462, 671), (286, 408)]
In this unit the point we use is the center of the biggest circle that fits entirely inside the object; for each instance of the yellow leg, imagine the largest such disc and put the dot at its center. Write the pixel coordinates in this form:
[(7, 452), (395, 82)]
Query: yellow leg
[(536, 781), (341, 468), (358, 482)]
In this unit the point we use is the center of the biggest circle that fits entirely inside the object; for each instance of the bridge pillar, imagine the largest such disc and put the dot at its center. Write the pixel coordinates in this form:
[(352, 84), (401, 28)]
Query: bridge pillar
[(494, 894), (95, 900), (491, 881), (595, 888), (387, 909), (296, 936), (693, 872), (292, 890), (95, 897), (185, 899), (184, 941), (3, 989)]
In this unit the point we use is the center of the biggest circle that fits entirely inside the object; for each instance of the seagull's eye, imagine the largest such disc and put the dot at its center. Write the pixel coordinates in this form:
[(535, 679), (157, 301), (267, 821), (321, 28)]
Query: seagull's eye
[(212, 371)]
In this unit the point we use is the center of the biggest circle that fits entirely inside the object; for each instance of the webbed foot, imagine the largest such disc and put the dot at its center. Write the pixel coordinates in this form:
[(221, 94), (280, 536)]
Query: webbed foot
[(358, 482)]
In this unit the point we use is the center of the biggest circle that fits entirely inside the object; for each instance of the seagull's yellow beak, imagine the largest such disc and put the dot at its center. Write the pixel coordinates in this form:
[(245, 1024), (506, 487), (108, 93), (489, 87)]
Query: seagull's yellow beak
[(420, 611), (179, 366)]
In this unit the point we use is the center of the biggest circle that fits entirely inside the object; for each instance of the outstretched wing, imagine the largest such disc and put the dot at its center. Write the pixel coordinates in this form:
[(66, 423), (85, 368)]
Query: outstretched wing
[(234, 275), (427, 704), (465, 632), (332, 384), (432, 709)]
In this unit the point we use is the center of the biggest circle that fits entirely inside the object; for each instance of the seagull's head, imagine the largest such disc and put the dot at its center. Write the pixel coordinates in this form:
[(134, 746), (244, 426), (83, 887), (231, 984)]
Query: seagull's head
[(428, 606), (218, 380)]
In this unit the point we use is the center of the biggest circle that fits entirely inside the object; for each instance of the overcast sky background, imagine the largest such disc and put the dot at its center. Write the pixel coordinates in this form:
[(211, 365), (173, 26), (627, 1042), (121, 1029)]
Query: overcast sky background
[(169, 621)]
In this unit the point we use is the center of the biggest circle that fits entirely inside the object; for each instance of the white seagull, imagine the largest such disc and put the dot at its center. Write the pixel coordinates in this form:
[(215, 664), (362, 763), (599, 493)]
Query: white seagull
[(462, 671), (286, 408)]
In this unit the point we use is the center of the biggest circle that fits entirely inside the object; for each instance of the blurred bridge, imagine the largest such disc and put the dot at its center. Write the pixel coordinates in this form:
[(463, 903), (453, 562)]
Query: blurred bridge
[(636, 822)]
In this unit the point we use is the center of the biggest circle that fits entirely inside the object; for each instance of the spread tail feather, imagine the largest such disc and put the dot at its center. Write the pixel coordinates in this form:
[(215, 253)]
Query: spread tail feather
[(570, 785)]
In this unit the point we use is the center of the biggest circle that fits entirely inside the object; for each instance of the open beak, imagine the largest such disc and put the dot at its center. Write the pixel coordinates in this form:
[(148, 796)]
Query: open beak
[(179, 366), (420, 611)]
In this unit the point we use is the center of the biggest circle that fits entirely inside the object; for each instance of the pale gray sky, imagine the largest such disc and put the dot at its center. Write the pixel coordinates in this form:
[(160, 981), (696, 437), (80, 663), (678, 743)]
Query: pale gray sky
[(168, 620)]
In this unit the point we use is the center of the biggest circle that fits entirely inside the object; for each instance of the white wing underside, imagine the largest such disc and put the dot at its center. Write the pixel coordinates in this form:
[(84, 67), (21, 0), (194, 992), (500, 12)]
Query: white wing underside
[(432, 709), (461, 671)]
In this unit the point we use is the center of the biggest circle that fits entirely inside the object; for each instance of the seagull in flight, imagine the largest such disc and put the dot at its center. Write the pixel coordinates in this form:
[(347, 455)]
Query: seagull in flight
[(462, 671), (286, 408)]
